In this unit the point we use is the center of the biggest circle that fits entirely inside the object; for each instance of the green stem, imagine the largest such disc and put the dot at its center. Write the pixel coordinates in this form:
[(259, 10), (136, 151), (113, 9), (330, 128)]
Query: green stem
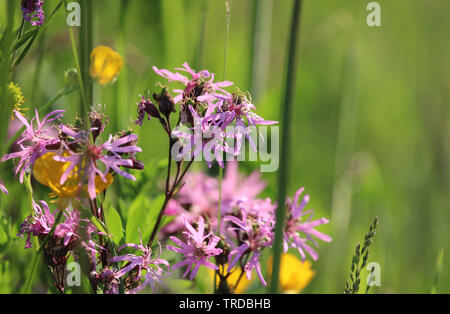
[(38, 70), (85, 41), (168, 197), (29, 281), (260, 56), (219, 206), (5, 71), (286, 113), (201, 38), (121, 87), (228, 16), (77, 65)]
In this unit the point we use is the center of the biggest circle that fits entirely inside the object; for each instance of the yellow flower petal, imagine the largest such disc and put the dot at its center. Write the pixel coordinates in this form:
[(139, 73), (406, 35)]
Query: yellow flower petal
[(105, 64), (295, 275), (48, 172), (232, 279)]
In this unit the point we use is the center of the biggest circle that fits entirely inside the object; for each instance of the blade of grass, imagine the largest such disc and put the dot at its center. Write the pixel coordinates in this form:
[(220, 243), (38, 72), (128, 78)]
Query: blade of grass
[(439, 264), (261, 36), (83, 95), (219, 207), (85, 42), (227, 32), (38, 69), (286, 113), (5, 73), (198, 57), (121, 110)]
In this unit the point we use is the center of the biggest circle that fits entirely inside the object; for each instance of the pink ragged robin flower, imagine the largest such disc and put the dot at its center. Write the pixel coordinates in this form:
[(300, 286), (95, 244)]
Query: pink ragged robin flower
[(200, 194), (150, 269), (254, 234), (199, 87), (41, 222), (3, 188), (197, 250), (34, 140), (299, 230), (110, 154)]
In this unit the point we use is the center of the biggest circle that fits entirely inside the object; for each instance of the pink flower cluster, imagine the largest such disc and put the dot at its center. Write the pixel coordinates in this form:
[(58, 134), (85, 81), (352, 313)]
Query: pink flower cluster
[(207, 109), (247, 225)]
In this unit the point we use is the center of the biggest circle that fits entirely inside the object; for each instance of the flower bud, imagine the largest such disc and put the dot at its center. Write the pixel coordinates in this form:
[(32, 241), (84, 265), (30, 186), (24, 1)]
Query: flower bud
[(165, 102)]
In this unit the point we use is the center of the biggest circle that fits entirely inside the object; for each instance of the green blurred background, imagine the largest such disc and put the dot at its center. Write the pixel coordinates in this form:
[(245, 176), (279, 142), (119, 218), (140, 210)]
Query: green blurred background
[(371, 126)]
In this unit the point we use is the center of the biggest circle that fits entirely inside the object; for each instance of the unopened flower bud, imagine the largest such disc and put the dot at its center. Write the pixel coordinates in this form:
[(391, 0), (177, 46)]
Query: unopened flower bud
[(71, 77), (145, 106), (165, 102)]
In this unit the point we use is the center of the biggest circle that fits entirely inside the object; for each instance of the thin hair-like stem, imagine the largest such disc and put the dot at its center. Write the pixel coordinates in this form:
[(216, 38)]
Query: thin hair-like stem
[(86, 45), (219, 205), (286, 113)]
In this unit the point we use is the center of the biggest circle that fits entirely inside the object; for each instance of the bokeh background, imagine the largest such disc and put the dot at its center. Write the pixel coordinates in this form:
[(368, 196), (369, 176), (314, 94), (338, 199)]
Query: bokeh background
[(371, 122)]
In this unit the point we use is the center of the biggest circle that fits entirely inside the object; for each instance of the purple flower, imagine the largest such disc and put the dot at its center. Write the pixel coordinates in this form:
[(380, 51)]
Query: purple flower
[(254, 234), (296, 226), (198, 249), (146, 107), (41, 222), (32, 11), (239, 109), (204, 138), (201, 195), (108, 278), (153, 267), (110, 154), (88, 243), (207, 109), (3, 188), (34, 141), (200, 86)]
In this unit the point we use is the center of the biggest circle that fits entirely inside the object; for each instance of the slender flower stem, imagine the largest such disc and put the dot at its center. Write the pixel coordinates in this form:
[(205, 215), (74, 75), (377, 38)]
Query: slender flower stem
[(5, 71), (77, 65), (201, 38), (260, 57), (38, 70), (227, 33), (286, 113), (85, 41), (168, 197), (219, 206), (121, 89), (18, 37)]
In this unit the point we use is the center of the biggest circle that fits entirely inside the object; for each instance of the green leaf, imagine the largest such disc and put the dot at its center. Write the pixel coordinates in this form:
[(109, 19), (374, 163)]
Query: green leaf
[(25, 37), (95, 221), (114, 224), (179, 286), (142, 217), (3, 236), (136, 218), (155, 208), (439, 263), (25, 50)]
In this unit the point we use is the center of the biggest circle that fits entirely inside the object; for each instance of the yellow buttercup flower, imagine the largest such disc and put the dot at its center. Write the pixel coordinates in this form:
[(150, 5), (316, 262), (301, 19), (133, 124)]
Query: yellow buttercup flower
[(232, 279), (105, 64), (48, 172), (295, 275)]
